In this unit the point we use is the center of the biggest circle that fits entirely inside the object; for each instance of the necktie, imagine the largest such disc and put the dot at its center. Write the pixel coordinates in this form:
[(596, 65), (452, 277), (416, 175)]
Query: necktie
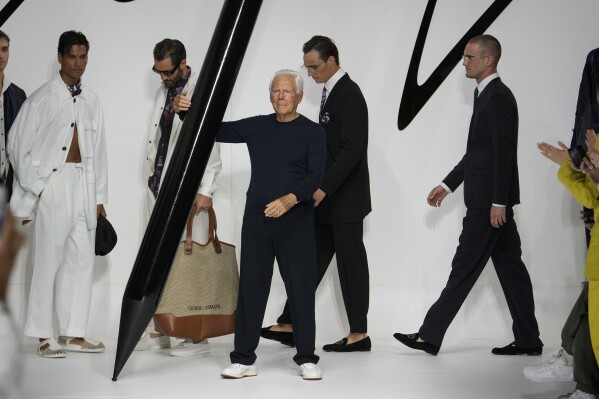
[(475, 95), (323, 99)]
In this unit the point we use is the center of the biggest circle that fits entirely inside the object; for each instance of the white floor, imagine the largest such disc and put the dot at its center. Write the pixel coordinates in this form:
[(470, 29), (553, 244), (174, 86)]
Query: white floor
[(464, 369)]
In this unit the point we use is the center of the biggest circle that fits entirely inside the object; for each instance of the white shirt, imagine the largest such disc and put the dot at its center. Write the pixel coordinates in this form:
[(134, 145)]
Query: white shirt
[(329, 84), (39, 140), (481, 86)]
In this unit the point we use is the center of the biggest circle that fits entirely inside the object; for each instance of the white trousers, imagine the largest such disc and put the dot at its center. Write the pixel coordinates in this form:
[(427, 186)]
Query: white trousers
[(63, 259)]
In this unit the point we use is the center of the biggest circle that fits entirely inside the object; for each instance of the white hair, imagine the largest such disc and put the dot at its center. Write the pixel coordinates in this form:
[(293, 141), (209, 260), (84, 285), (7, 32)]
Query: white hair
[(299, 82)]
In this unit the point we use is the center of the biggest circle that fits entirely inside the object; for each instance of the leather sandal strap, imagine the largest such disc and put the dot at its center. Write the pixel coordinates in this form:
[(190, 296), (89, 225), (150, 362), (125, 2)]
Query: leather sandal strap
[(52, 344)]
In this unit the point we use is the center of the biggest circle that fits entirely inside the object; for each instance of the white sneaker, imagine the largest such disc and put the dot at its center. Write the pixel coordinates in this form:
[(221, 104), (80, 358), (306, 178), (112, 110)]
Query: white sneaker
[(189, 348), (146, 342), (578, 394), (557, 368), (237, 370), (310, 371)]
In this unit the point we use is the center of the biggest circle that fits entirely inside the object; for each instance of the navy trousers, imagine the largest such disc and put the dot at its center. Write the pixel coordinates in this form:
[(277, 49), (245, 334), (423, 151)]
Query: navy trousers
[(290, 240)]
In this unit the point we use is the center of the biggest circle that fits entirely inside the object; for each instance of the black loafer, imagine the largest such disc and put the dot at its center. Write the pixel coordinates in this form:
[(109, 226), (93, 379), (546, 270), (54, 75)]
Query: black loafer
[(513, 349), (362, 345), (286, 338), (411, 341)]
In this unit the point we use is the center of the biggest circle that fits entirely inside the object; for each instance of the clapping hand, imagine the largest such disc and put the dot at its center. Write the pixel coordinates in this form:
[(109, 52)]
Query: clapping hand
[(589, 164), (592, 152), (559, 156), (588, 219)]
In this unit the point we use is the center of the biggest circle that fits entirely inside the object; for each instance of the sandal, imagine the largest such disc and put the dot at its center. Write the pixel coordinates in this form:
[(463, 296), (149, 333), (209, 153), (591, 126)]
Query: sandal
[(51, 349), (86, 346)]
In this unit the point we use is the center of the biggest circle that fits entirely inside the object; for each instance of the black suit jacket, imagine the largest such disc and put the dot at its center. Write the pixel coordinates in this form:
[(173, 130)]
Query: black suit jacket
[(13, 98), (346, 181), (489, 169)]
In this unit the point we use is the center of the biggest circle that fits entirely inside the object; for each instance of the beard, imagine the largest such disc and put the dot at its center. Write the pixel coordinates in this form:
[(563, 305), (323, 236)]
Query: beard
[(174, 81)]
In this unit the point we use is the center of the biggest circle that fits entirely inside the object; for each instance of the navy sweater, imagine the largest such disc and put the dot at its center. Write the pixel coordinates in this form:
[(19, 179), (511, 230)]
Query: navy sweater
[(286, 157)]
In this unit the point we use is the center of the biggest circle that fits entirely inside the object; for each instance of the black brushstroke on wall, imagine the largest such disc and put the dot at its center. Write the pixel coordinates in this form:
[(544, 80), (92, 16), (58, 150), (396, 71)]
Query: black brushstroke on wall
[(415, 96), (8, 10)]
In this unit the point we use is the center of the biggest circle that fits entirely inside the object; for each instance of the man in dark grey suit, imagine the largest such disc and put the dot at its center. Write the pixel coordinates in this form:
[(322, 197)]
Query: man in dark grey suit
[(489, 171), (343, 200)]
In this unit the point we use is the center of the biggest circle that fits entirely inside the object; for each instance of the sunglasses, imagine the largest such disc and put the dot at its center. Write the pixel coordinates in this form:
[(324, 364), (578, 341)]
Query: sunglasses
[(165, 73)]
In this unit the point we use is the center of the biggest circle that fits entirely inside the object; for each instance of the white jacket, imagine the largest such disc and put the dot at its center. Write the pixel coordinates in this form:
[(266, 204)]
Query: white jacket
[(40, 138), (213, 167)]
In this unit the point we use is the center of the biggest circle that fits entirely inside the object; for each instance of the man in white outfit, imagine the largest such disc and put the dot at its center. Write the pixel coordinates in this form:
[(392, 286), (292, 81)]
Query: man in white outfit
[(58, 150), (178, 79)]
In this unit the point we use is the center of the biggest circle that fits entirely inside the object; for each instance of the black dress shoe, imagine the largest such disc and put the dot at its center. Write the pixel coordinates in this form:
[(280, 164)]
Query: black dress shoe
[(411, 341), (362, 345), (513, 349), (286, 338)]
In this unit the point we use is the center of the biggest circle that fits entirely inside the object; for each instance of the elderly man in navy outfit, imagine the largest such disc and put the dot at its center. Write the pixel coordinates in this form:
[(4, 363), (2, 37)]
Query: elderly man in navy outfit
[(287, 153)]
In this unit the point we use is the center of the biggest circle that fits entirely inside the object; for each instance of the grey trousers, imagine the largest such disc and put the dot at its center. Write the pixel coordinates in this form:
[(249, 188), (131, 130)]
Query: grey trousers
[(576, 340)]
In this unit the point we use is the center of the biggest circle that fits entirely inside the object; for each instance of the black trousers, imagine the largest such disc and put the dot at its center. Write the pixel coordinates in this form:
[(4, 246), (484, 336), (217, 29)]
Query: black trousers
[(344, 241), (478, 242), (289, 239), (576, 340)]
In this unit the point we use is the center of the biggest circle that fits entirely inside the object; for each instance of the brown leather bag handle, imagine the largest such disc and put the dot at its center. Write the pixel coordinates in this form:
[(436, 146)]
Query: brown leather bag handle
[(212, 235), (188, 240)]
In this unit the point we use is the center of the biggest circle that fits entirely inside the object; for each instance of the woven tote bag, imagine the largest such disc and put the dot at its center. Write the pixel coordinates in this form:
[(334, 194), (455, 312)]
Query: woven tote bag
[(199, 299)]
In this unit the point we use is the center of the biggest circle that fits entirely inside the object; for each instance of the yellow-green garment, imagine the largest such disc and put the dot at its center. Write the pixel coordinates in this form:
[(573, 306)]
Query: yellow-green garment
[(585, 192)]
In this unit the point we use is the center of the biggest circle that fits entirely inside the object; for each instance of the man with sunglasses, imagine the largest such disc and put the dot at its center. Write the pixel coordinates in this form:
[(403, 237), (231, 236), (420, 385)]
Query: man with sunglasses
[(165, 126)]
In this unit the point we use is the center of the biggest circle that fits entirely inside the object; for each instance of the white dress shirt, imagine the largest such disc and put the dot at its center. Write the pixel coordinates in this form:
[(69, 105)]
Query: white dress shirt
[(329, 84)]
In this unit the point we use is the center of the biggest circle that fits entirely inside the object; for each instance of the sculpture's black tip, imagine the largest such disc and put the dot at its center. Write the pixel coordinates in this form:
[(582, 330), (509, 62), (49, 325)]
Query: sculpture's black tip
[(134, 320)]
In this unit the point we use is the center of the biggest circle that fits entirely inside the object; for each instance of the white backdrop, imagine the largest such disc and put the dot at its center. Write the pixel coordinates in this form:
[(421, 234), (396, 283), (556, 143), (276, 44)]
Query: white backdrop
[(409, 244)]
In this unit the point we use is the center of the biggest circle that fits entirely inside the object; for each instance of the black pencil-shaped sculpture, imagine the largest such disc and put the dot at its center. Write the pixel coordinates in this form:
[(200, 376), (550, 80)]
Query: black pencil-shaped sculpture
[(180, 184)]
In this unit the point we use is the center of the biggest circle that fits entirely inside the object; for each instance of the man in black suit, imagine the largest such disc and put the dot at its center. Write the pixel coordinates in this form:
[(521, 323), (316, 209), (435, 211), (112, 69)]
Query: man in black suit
[(489, 170), (12, 99), (343, 200)]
